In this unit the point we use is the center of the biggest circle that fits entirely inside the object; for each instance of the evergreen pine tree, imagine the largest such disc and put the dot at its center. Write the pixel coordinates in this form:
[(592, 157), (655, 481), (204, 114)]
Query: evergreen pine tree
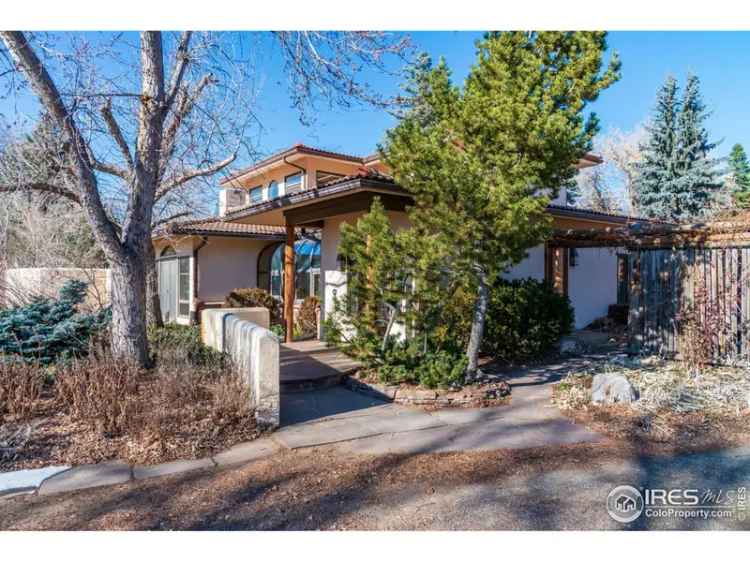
[(677, 179), (657, 179), (698, 177), (739, 168), (482, 162)]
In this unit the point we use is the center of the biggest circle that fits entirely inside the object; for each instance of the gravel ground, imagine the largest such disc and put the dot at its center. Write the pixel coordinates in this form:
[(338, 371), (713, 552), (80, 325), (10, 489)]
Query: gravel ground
[(324, 488)]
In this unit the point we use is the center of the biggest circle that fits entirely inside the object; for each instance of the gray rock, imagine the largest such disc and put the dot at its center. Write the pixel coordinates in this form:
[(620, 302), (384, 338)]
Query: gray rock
[(609, 388)]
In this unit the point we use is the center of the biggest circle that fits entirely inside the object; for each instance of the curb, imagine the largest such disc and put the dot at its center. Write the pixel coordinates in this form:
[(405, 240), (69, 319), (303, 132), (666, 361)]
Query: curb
[(115, 472)]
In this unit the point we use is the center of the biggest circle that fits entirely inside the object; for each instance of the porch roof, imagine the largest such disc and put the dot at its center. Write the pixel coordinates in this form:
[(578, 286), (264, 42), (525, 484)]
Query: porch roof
[(344, 195), (214, 226)]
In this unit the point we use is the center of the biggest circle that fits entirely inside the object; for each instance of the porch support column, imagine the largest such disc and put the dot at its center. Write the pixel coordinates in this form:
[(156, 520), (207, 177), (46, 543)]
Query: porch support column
[(289, 282)]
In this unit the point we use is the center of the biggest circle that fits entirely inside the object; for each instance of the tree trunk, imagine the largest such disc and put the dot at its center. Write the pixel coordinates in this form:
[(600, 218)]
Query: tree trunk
[(153, 304), (477, 323), (129, 339)]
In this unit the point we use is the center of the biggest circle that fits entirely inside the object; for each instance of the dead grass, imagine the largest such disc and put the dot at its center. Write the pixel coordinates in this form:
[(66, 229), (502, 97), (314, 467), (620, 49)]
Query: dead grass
[(98, 409), (677, 407)]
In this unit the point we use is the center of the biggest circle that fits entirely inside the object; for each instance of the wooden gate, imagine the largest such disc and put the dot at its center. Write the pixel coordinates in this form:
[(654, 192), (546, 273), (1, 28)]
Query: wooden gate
[(676, 291)]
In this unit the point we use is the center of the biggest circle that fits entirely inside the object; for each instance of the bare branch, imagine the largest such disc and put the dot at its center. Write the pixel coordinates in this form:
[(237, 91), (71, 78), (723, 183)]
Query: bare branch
[(116, 132), (42, 187), (39, 79), (186, 104), (182, 59), (193, 174), (170, 218)]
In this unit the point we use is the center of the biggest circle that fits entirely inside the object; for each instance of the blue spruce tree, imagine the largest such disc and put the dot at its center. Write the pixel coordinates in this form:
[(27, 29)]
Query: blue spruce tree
[(698, 177), (657, 181), (677, 179)]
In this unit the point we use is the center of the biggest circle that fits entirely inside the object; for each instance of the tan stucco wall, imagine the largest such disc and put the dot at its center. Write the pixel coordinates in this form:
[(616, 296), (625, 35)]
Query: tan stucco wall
[(225, 264), (23, 284)]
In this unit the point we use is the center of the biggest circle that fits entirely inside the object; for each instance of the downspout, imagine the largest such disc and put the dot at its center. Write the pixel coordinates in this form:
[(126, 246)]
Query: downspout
[(293, 165), (194, 313)]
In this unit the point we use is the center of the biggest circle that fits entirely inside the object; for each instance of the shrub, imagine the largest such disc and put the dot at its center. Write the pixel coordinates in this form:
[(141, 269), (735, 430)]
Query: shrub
[(50, 329), (178, 344), (117, 398), (525, 319), (404, 362), (21, 386), (307, 317), (251, 298)]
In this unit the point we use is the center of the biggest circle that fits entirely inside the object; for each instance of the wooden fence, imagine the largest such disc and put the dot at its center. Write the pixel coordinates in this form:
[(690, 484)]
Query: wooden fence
[(700, 293)]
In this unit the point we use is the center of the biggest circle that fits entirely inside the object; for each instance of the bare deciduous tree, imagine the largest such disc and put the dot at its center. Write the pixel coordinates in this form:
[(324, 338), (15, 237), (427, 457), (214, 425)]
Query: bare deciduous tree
[(136, 131), (610, 187)]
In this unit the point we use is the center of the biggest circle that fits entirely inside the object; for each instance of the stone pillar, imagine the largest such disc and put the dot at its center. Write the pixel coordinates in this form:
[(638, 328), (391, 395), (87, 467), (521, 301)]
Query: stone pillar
[(289, 283)]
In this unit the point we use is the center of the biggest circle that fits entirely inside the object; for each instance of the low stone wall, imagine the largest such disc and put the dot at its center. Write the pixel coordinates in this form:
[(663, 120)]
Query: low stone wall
[(479, 395), (243, 334)]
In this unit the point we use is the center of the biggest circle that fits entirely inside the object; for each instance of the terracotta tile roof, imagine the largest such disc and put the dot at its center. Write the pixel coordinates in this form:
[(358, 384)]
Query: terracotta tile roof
[(602, 214), (217, 227), (299, 148)]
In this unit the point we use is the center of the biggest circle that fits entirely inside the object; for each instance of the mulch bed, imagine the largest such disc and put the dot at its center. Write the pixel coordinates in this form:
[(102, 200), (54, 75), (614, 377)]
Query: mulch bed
[(492, 391), (54, 437)]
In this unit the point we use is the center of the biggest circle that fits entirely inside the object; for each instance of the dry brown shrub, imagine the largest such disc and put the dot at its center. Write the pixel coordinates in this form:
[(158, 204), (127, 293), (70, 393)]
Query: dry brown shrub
[(21, 386), (101, 391), (307, 318)]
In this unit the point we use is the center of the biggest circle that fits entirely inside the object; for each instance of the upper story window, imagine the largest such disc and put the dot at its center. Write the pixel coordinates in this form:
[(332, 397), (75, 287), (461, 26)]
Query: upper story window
[(256, 194), (293, 182), (322, 177), (273, 190)]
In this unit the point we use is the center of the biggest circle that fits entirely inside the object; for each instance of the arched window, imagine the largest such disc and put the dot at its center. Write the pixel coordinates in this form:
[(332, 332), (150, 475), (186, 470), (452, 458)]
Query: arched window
[(269, 268), (307, 266), (273, 190), (168, 251)]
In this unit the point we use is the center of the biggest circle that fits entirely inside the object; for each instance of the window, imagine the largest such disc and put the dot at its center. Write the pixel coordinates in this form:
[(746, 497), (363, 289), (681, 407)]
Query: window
[(307, 269), (256, 194), (168, 251), (573, 257), (322, 177), (183, 290), (273, 190), (293, 182)]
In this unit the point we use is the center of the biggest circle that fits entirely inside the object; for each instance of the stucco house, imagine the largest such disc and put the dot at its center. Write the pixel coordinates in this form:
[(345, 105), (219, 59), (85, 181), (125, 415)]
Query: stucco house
[(280, 219)]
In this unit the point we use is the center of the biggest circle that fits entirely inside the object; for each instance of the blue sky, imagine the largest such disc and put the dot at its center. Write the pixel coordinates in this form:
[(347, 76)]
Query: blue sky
[(720, 59)]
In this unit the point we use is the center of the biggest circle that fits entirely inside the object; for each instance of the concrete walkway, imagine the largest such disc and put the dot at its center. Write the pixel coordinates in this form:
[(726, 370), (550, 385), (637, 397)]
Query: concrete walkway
[(309, 364), (362, 424)]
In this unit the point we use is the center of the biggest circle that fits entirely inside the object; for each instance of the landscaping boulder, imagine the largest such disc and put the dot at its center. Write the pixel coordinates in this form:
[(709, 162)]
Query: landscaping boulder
[(609, 388)]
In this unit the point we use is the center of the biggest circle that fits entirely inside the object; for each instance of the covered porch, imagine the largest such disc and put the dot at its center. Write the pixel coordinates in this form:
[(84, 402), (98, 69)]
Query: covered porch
[(320, 209)]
